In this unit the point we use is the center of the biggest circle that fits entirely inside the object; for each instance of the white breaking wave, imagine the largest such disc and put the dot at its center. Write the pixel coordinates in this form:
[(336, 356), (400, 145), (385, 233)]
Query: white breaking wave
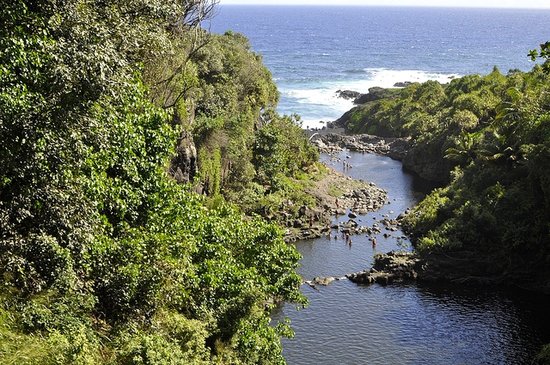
[(387, 78), (316, 100)]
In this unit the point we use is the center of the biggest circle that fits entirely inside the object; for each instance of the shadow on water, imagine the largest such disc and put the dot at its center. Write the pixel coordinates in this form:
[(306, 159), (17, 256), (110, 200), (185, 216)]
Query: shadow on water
[(403, 324)]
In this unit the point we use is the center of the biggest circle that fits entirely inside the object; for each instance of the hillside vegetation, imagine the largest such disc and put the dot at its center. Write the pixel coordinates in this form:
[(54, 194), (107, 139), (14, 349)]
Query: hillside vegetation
[(104, 258), (486, 139)]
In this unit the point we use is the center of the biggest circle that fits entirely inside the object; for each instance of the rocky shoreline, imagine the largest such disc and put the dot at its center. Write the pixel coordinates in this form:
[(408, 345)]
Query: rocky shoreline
[(409, 267), (396, 148), (388, 268), (354, 197)]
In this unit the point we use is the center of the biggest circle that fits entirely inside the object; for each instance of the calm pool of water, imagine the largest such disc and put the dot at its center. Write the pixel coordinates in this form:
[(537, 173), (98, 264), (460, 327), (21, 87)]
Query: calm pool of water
[(404, 324)]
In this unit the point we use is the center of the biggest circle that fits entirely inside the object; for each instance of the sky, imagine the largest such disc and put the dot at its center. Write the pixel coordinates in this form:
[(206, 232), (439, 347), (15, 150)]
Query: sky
[(543, 4)]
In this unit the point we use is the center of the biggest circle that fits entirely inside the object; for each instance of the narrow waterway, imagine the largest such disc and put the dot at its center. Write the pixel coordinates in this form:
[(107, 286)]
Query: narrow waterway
[(403, 324)]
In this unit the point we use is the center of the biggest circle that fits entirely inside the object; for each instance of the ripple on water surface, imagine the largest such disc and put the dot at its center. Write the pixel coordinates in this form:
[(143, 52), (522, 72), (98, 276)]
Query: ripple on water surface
[(404, 324), (407, 324)]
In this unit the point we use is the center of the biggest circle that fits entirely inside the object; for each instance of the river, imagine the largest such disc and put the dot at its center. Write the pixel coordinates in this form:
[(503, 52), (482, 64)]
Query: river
[(403, 324)]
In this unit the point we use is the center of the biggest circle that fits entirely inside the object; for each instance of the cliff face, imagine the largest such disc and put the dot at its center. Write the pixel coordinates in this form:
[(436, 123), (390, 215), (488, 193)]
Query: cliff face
[(183, 166), (426, 161)]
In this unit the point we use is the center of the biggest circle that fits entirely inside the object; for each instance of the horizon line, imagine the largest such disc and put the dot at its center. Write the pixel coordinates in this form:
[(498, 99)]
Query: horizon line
[(389, 6)]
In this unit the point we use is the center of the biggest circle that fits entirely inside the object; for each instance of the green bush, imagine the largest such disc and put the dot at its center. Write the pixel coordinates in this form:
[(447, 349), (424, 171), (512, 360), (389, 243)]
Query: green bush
[(496, 205)]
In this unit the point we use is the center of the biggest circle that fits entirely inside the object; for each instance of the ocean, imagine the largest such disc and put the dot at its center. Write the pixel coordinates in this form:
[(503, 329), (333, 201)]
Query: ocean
[(314, 51)]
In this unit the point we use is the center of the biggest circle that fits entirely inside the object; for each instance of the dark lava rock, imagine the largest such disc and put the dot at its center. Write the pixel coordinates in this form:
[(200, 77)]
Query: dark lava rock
[(374, 93), (348, 94), (402, 84), (389, 268)]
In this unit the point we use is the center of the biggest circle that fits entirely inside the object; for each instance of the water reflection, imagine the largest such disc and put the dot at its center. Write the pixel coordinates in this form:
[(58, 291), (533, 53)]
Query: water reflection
[(404, 324)]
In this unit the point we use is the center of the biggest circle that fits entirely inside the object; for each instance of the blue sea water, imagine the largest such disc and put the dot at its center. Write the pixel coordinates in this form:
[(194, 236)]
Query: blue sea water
[(314, 51)]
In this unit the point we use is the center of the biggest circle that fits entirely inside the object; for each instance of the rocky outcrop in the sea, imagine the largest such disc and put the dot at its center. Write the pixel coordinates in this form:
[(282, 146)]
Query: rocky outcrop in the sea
[(375, 93), (396, 148), (403, 84), (348, 94)]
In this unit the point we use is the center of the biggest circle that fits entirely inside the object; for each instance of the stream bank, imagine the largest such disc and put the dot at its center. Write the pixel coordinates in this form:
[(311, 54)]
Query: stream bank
[(460, 266), (404, 322), (335, 194)]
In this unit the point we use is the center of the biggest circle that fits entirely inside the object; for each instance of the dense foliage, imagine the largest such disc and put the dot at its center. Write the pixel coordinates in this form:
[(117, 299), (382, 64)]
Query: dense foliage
[(103, 257), (247, 152), (225, 99), (498, 202), (489, 138)]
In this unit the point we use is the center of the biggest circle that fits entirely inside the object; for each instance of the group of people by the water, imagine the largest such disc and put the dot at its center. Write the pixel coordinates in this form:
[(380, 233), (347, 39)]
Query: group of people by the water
[(346, 165), (345, 236)]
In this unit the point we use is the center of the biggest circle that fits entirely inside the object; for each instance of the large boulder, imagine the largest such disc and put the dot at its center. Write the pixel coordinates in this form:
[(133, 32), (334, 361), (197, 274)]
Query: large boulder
[(375, 93), (388, 268), (348, 94)]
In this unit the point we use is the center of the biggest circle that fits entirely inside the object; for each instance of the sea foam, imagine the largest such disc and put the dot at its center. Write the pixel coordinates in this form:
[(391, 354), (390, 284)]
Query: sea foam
[(318, 102)]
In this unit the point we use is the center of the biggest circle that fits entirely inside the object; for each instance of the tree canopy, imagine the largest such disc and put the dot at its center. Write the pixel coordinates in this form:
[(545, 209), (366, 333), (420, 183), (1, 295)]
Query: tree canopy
[(103, 257), (485, 140)]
